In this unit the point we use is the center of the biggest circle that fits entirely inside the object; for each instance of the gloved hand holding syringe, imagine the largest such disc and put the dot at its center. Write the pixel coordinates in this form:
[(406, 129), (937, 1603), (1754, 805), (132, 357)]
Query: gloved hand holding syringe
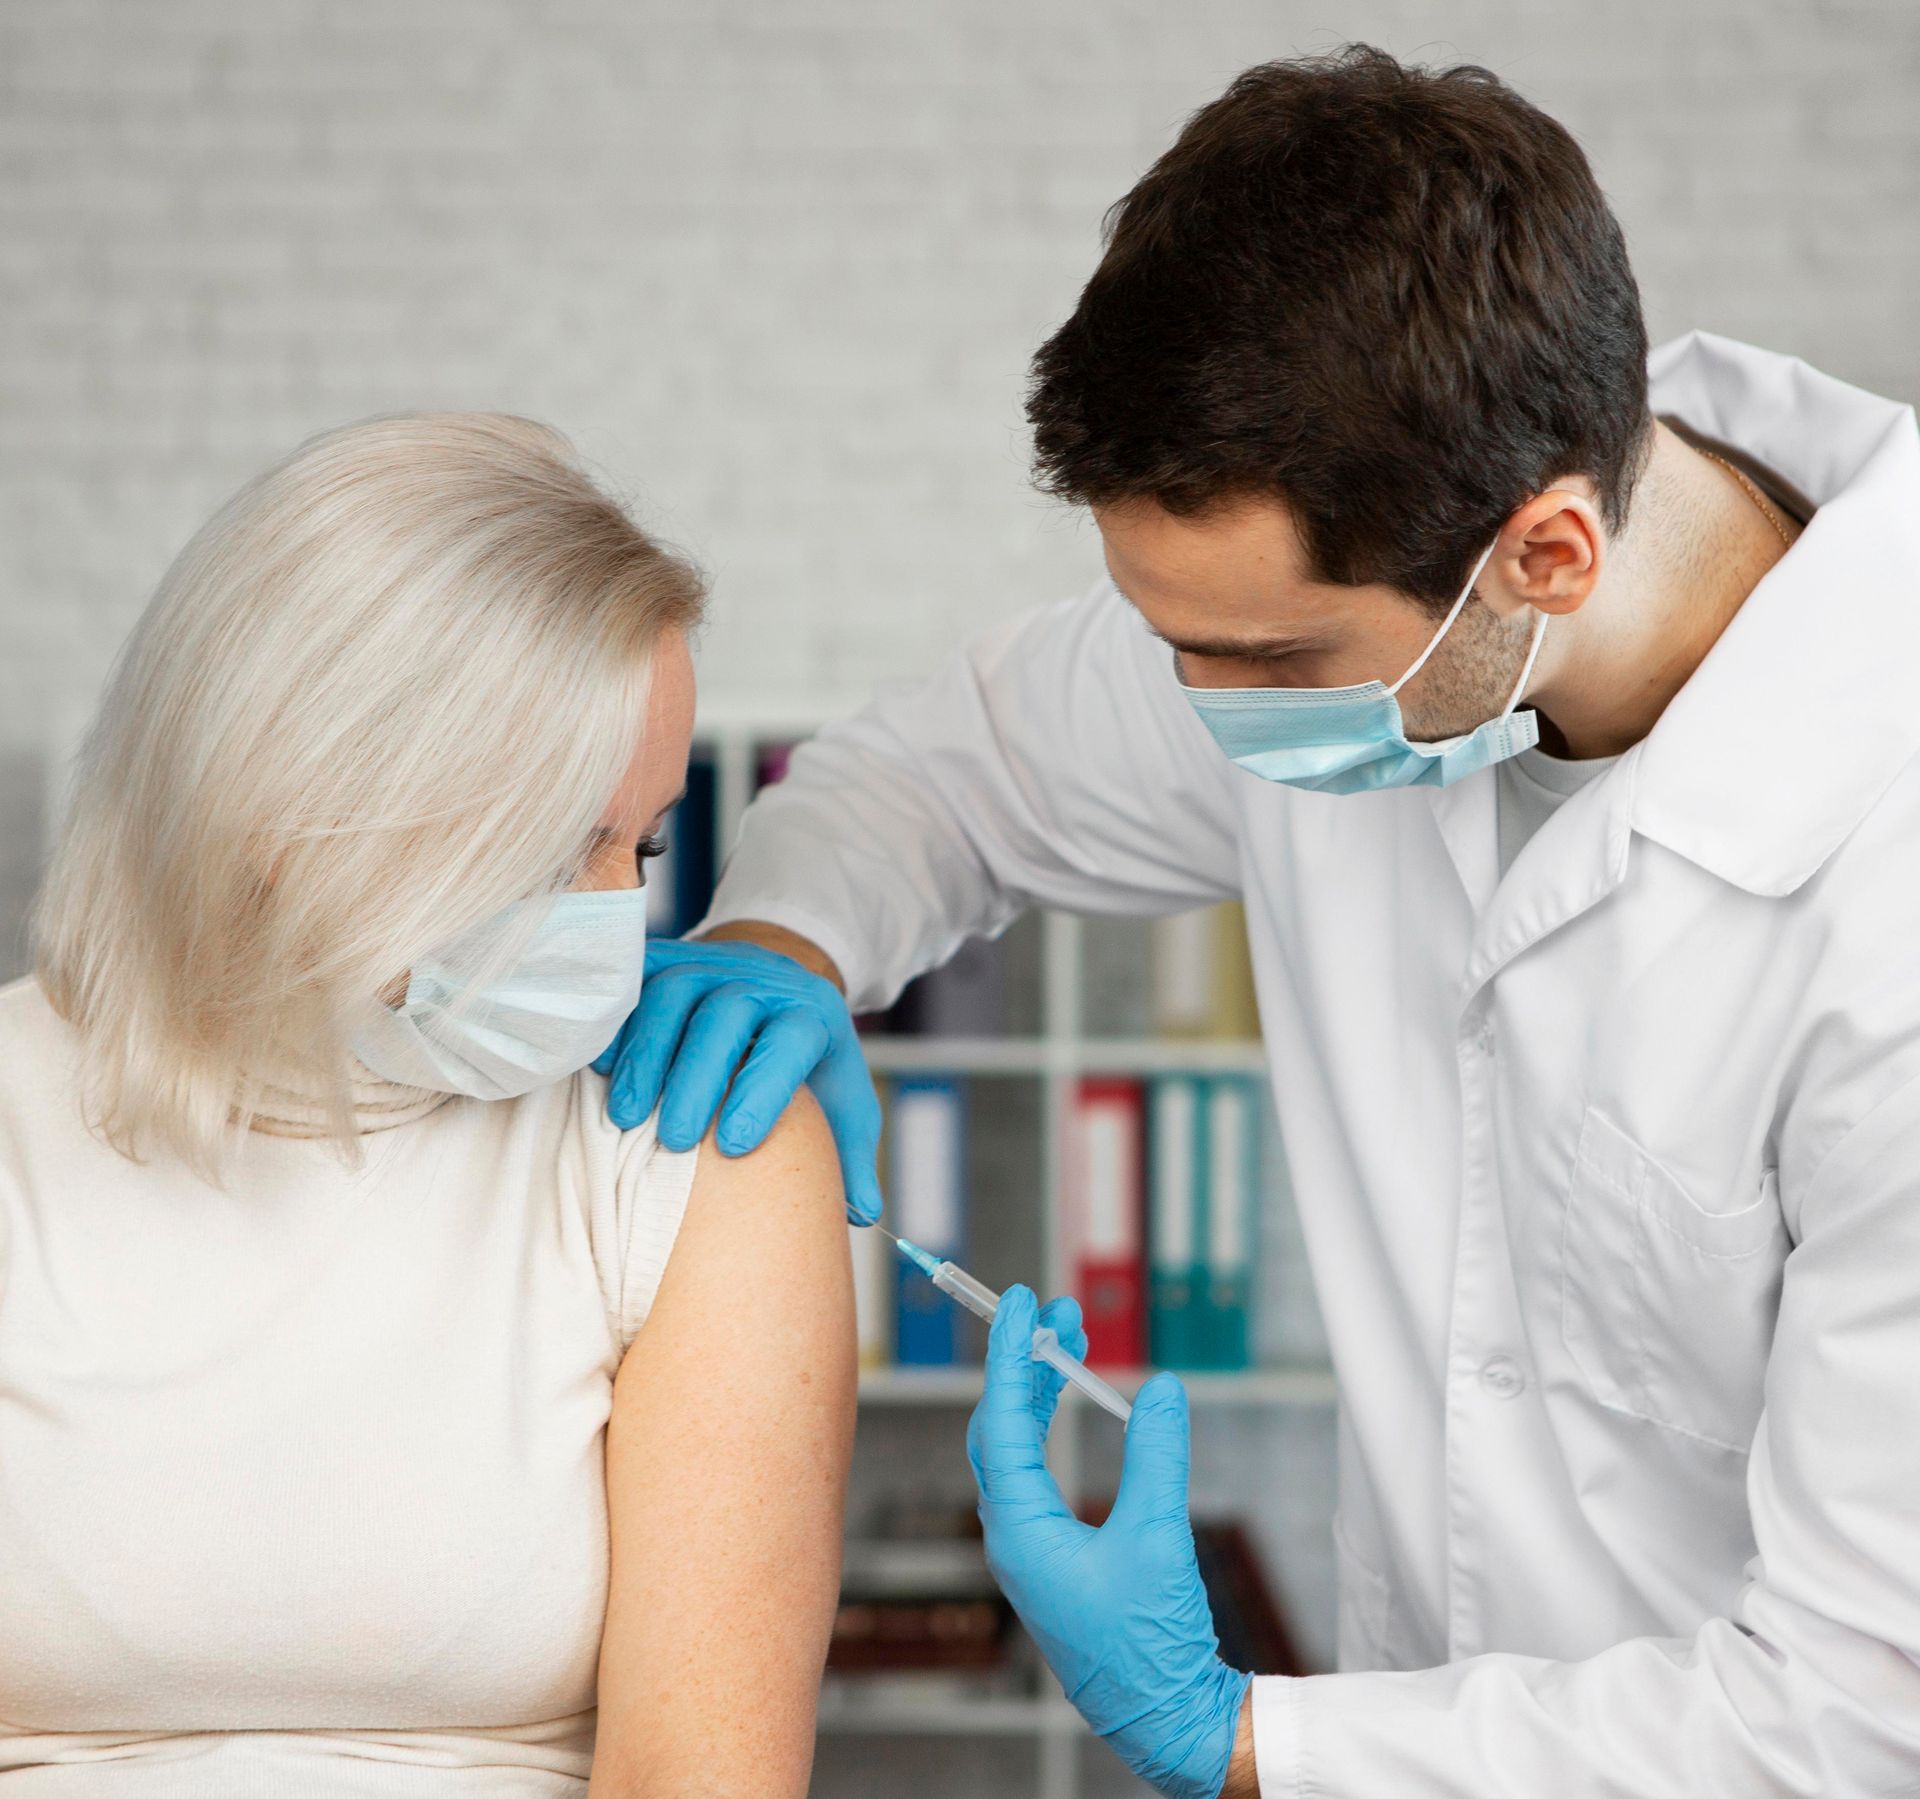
[(983, 1302)]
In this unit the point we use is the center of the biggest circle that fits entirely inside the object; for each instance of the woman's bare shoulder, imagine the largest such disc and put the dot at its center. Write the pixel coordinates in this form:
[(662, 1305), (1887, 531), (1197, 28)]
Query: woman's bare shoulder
[(726, 1468), (795, 1173)]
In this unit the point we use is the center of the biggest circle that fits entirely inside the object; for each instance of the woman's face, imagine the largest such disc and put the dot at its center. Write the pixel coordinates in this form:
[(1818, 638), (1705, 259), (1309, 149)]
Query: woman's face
[(656, 774), (656, 777)]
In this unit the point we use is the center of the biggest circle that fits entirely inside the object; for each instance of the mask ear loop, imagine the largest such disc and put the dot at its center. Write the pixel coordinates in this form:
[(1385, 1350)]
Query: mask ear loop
[(1446, 624), (1526, 671)]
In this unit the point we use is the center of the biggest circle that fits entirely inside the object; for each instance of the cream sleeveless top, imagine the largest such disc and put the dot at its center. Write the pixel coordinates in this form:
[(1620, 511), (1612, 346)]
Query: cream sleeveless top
[(302, 1482)]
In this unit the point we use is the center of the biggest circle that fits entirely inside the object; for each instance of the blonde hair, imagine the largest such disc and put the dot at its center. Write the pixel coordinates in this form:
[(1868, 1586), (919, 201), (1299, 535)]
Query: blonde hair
[(386, 691)]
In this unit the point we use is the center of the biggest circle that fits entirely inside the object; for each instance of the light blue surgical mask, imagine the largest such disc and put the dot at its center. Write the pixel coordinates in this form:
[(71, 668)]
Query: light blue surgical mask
[(468, 1025), (1352, 739)]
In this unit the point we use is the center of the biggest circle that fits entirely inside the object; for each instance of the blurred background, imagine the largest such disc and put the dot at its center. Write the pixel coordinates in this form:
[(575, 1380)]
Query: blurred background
[(778, 269)]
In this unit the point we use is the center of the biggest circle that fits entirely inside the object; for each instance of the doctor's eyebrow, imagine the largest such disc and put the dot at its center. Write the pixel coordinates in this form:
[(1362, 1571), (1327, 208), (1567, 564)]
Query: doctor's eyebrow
[(1249, 649)]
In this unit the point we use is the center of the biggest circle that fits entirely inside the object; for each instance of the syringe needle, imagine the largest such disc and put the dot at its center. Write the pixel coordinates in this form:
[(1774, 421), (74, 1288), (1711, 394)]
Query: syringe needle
[(983, 1302)]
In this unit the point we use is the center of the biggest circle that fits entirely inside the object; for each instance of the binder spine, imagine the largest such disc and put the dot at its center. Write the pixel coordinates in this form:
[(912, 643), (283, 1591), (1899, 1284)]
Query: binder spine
[(1107, 1215), (1232, 1131), (680, 883), (1173, 1191), (927, 1132)]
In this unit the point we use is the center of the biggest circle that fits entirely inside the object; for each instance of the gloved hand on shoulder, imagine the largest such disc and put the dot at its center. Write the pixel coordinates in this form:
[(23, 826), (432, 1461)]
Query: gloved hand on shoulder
[(705, 1005)]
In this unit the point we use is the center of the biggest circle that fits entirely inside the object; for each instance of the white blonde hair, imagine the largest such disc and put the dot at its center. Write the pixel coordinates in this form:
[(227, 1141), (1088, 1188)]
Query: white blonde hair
[(386, 691)]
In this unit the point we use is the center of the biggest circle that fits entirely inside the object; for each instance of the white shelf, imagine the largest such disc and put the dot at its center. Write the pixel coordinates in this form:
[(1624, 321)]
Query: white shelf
[(1302, 1386), (888, 1054), (891, 1716)]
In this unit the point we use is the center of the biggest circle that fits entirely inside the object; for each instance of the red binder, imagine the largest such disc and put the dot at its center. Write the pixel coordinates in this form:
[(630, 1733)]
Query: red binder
[(1106, 1220)]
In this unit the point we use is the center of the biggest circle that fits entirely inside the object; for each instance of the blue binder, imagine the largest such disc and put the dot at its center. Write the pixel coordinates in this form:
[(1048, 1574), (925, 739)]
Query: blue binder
[(927, 1154), (680, 883)]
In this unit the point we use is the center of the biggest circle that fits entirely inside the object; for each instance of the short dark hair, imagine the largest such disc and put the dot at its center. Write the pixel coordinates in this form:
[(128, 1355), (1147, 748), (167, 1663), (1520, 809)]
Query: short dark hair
[(1394, 298)]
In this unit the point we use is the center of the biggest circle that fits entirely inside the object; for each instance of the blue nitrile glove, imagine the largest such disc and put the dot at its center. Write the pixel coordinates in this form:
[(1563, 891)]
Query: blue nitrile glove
[(705, 1005), (1120, 1612)]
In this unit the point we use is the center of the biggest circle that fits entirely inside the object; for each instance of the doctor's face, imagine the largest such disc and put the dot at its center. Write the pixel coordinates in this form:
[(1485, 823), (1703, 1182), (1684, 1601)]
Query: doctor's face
[(1225, 589)]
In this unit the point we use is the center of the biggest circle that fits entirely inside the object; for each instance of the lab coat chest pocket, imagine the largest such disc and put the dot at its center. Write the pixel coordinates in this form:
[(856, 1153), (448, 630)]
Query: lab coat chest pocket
[(1666, 1309)]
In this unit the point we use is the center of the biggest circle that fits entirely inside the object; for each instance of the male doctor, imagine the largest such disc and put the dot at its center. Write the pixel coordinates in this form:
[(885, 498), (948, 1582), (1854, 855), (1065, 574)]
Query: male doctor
[(1553, 709)]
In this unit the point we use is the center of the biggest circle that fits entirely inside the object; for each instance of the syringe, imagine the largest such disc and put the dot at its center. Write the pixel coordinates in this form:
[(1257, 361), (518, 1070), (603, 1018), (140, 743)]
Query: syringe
[(983, 1302)]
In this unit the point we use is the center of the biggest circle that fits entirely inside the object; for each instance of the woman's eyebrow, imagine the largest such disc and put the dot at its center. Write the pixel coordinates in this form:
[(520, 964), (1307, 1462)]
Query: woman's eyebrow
[(602, 834)]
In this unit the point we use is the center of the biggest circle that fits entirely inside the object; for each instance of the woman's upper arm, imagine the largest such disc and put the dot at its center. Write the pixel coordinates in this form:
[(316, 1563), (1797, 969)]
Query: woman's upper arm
[(726, 1476)]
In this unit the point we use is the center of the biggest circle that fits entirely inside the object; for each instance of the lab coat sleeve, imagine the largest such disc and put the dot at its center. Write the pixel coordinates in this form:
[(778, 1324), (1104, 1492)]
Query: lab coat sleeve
[(1812, 1685), (1051, 762)]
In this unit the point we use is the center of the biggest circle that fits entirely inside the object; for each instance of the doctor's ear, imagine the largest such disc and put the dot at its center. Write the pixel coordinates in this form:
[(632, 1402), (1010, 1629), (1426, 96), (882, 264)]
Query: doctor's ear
[(1549, 556)]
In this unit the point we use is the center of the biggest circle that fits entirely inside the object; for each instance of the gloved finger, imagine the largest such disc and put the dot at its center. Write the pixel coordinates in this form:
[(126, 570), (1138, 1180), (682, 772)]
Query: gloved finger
[(860, 1171), (1063, 1315), (844, 1087), (1007, 1439), (726, 957), (790, 1044), (717, 1035), (650, 1039), (667, 952), (1004, 1441), (977, 1420), (1153, 1471)]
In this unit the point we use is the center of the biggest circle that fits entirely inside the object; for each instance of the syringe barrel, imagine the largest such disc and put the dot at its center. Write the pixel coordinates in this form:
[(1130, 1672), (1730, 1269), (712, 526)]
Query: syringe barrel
[(983, 1302), (976, 1296), (1046, 1346)]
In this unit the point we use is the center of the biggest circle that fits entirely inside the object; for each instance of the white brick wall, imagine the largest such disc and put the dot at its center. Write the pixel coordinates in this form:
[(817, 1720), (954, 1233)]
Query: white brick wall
[(777, 264)]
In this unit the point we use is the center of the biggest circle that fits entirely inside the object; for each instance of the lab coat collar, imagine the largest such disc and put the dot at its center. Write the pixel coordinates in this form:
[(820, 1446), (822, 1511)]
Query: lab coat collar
[(1804, 710), (1576, 859)]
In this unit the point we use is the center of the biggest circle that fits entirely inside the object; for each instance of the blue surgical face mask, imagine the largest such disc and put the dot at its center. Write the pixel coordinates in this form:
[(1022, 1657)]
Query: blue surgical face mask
[(1352, 739), (467, 1025)]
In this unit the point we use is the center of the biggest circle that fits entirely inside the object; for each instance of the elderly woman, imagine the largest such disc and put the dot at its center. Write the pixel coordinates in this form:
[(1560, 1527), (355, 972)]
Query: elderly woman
[(370, 1406)]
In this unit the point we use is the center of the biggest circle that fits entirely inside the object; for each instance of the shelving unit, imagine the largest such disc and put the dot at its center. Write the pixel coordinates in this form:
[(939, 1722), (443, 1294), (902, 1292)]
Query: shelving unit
[(1056, 1056), (961, 1717), (1302, 1385), (1061, 1056)]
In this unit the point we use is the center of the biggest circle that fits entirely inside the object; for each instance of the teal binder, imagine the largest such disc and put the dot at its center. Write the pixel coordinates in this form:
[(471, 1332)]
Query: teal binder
[(1176, 1183), (1229, 1213)]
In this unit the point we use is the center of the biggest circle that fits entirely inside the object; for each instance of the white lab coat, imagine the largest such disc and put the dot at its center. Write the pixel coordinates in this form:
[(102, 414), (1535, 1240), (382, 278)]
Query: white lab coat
[(1609, 1170)]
